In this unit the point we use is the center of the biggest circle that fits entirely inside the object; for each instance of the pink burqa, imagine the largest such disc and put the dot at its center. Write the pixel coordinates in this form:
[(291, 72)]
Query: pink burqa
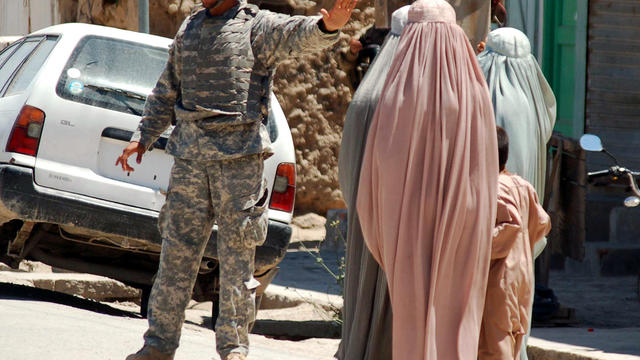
[(427, 192)]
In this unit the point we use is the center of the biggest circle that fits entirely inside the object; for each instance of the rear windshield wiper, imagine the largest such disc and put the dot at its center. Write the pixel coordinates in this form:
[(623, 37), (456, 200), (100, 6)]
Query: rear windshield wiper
[(127, 93)]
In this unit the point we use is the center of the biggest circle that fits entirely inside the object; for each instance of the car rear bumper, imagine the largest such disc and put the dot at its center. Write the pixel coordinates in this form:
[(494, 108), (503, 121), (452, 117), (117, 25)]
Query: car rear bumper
[(21, 199)]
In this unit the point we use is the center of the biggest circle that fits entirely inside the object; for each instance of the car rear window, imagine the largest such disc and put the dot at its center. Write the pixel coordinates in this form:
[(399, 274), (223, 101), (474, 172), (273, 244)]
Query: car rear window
[(14, 56), (111, 73), (30, 68), (4, 55)]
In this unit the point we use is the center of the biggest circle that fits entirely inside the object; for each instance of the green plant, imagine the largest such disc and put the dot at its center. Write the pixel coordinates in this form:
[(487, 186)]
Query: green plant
[(340, 261)]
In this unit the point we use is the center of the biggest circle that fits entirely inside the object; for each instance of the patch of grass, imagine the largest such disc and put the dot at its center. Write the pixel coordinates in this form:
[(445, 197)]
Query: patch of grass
[(338, 275)]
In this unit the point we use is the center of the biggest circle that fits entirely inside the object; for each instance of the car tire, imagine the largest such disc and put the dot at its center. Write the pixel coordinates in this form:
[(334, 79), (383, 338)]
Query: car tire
[(144, 301), (215, 311)]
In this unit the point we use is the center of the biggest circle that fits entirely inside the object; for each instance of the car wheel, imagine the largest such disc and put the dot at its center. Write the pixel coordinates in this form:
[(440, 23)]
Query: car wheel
[(215, 311), (144, 301)]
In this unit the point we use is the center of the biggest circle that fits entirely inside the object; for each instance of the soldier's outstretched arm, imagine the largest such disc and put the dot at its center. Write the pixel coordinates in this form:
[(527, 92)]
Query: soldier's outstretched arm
[(277, 36), (158, 110)]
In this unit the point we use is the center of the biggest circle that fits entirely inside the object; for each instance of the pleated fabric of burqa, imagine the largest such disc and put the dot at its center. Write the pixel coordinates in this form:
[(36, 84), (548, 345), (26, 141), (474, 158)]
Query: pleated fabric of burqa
[(523, 101), (525, 107), (427, 193), (366, 327)]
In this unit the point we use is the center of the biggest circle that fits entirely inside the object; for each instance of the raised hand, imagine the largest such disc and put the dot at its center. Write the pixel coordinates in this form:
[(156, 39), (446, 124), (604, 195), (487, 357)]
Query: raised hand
[(339, 14)]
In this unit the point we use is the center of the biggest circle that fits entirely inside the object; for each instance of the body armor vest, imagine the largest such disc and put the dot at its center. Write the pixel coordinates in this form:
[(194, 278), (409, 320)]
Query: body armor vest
[(217, 66)]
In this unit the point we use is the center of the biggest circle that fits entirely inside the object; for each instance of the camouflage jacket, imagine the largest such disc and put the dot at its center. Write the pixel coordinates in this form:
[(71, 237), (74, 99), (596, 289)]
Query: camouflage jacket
[(217, 81)]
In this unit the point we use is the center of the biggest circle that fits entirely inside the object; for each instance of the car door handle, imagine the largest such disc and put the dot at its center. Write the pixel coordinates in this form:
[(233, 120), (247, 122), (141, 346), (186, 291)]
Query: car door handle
[(125, 135)]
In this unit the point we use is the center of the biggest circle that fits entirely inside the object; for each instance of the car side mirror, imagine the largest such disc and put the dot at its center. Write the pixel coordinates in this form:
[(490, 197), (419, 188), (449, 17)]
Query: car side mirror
[(632, 201), (591, 142)]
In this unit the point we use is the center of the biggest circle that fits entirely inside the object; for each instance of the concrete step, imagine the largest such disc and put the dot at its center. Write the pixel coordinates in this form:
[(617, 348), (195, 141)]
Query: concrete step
[(605, 258), (584, 344)]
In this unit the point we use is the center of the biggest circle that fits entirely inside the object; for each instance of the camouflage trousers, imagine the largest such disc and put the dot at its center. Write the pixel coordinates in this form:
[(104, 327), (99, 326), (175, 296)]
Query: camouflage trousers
[(199, 194)]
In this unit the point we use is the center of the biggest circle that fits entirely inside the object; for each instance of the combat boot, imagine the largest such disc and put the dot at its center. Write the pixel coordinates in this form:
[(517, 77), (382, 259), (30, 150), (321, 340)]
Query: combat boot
[(235, 356), (149, 353)]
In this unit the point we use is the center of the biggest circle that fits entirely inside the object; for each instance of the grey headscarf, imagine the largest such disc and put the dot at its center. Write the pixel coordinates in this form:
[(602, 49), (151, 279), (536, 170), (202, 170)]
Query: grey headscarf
[(366, 327), (523, 102)]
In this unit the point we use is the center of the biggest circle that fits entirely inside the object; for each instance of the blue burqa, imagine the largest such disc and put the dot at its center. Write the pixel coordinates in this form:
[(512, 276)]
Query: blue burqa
[(523, 102)]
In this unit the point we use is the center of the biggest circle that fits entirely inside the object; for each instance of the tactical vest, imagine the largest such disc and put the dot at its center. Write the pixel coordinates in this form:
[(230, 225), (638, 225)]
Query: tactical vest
[(217, 65)]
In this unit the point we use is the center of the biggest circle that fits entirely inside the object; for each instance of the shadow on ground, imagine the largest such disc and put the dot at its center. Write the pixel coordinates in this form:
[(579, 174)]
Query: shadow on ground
[(302, 270), (21, 292), (605, 302)]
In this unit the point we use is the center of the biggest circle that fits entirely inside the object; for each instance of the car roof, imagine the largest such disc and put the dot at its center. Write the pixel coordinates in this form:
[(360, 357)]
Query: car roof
[(78, 30)]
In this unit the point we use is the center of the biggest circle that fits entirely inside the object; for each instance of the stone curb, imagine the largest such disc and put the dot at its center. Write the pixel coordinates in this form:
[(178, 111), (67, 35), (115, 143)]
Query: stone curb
[(280, 297), (85, 285), (104, 289)]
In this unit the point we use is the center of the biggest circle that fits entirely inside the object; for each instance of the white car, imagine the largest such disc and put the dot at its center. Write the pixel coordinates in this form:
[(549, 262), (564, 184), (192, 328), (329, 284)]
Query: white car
[(71, 96)]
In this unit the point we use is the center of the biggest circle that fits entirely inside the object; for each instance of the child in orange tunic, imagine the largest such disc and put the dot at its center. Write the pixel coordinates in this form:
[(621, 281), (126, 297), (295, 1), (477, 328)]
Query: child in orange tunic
[(520, 223)]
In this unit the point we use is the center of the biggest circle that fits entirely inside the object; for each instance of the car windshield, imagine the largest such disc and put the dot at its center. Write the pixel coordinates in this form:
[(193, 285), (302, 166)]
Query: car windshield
[(112, 74)]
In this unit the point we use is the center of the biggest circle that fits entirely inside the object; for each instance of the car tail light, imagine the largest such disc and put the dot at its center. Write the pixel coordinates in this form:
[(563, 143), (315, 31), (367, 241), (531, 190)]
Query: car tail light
[(25, 135), (284, 188)]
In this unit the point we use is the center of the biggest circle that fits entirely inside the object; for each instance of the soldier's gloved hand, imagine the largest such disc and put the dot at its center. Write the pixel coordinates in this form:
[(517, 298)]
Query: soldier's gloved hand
[(133, 147), (339, 15)]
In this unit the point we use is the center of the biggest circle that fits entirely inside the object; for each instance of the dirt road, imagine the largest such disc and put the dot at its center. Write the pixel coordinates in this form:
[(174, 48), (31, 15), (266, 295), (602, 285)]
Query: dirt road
[(36, 325)]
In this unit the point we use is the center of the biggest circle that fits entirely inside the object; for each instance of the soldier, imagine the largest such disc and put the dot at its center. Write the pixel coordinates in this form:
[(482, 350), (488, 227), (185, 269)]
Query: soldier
[(216, 86)]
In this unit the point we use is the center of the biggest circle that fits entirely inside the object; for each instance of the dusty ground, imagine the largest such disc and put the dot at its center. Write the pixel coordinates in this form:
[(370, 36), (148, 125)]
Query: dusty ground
[(57, 330), (599, 301)]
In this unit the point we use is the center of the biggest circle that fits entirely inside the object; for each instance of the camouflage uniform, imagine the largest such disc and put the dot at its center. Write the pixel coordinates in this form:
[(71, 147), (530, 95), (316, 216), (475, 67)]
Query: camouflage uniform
[(216, 86)]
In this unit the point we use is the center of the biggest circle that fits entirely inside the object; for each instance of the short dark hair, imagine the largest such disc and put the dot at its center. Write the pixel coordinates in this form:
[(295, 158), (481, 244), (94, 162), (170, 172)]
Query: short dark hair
[(503, 147)]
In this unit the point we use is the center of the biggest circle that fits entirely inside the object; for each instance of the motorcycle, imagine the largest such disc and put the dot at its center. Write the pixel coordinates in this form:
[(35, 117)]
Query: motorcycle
[(590, 142)]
